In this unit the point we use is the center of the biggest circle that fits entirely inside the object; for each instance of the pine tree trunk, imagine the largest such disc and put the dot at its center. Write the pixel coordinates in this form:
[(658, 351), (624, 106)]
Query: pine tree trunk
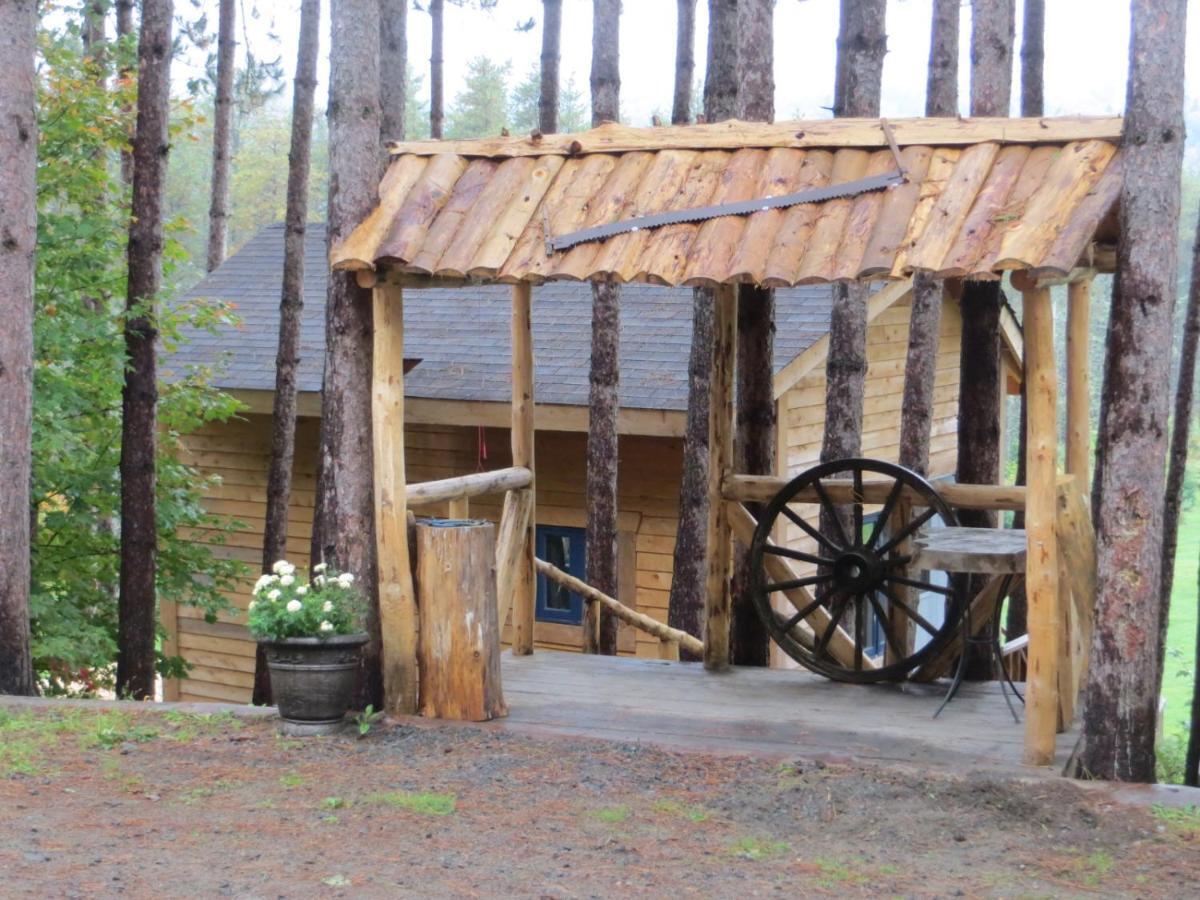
[(1177, 465), (1033, 57), (685, 61), (548, 94), (437, 109), (393, 67), (125, 30), (291, 304), (346, 492), (137, 615), (606, 57), (600, 627), (754, 441), (721, 73), (920, 373), (993, 30), (941, 87), (1121, 697), (218, 207), (92, 31), (861, 46), (18, 224)]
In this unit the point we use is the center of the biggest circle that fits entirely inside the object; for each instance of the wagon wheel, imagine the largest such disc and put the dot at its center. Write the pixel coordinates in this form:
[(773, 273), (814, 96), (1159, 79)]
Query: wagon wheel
[(861, 581)]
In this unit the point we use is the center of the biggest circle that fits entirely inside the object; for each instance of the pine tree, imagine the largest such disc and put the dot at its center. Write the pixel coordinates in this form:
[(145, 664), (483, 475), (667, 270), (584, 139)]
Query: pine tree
[(437, 14), (393, 68), (218, 209), (551, 38), (480, 109), (685, 61)]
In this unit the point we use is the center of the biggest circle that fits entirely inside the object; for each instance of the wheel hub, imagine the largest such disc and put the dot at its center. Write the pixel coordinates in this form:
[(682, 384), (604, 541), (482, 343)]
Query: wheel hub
[(856, 570)]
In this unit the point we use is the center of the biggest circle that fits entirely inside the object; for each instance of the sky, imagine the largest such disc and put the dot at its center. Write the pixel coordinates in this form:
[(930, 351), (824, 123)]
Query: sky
[(1087, 50)]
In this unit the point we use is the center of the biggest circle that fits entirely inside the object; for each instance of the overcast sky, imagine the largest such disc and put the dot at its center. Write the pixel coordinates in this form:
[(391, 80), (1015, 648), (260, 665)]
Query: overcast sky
[(1087, 48)]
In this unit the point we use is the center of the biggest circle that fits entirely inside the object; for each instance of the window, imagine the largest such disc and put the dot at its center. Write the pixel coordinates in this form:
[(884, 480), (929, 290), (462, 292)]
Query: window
[(563, 548)]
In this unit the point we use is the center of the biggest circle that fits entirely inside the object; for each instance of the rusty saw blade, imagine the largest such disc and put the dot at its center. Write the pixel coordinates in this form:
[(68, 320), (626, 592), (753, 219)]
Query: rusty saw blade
[(740, 208)]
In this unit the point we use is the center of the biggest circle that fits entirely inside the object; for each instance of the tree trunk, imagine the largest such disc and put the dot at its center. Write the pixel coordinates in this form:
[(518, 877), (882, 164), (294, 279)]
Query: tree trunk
[(18, 223), (600, 626), (606, 57), (1033, 57), (92, 31), (685, 606), (920, 373), (1121, 696), (721, 72), (551, 38), (125, 30), (291, 304), (754, 440), (1177, 465), (218, 207), (1016, 621), (393, 67), (861, 46), (941, 87), (685, 61), (992, 33), (346, 493), (137, 618), (437, 109)]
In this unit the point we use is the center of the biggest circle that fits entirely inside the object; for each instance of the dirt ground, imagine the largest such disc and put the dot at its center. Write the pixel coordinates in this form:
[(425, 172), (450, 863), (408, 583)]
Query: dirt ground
[(172, 804)]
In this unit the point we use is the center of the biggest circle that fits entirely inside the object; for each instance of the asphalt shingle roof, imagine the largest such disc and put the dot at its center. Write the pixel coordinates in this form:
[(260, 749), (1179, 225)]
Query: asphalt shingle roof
[(461, 335)]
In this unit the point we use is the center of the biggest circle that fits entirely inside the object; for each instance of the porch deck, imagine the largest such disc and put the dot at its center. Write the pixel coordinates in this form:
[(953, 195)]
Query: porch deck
[(774, 713)]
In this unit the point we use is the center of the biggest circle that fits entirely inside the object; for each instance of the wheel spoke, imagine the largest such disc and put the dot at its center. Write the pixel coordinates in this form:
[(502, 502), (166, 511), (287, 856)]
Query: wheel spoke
[(885, 513), (813, 533), (800, 615), (793, 583), (912, 613), (832, 512), (832, 627), (858, 507), (907, 531), (885, 623), (921, 585), (799, 555)]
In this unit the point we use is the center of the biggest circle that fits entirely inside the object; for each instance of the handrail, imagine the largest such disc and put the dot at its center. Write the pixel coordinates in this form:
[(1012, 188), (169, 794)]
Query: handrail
[(761, 488), (630, 616), (495, 482)]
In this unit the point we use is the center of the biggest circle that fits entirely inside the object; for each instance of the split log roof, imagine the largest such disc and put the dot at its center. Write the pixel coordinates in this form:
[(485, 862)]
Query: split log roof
[(982, 196)]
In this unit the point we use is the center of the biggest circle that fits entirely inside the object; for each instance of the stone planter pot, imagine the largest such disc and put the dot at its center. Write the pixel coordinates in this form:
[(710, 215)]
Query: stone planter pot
[(313, 680)]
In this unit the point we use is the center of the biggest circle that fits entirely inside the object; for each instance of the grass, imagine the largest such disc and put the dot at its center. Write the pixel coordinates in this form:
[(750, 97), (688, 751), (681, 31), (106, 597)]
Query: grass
[(683, 810), (1185, 819), (755, 849), (423, 803), (612, 814), (1181, 629)]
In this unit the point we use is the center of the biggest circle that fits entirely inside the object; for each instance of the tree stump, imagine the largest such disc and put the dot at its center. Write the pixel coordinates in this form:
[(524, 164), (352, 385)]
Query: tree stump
[(459, 653)]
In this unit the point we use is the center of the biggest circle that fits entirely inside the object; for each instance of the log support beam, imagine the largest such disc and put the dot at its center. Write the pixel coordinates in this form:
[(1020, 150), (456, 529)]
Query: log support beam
[(523, 581), (720, 462), (1079, 426)]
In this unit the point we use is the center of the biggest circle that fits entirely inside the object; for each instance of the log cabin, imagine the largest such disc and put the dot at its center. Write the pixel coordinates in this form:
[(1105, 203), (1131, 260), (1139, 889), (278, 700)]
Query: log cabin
[(457, 416)]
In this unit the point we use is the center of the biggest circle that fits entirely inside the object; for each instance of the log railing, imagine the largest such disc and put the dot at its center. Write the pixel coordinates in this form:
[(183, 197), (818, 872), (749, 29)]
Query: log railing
[(670, 639), (464, 486), (761, 488)]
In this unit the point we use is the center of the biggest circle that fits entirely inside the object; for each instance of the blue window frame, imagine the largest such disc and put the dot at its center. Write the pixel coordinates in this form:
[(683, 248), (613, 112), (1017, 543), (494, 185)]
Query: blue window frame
[(564, 549)]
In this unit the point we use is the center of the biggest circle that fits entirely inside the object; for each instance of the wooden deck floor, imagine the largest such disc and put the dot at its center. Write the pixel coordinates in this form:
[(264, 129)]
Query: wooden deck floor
[(767, 712)]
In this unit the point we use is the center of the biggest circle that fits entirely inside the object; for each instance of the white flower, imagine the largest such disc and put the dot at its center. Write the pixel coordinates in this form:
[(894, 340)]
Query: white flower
[(274, 595), (328, 607), (283, 567), (319, 568), (253, 603), (345, 579), (287, 580), (326, 626), (319, 581), (302, 590), (263, 581), (294, 606)]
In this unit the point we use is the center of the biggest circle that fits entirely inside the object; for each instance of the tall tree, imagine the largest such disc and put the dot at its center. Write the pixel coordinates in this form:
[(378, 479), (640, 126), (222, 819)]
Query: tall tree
[(124, 32), (346, 491), (685, 606), (139, 401), (437, 97), (1122, 690), (222, 158), (600, 627), (291, 305), (754, 441), (1033, 58), (551, 38), (393, 67), (685, 61), (18, 223), (941, 85)]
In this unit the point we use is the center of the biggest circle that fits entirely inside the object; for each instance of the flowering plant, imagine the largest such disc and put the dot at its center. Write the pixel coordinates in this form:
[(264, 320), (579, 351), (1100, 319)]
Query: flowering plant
[(286, 606)]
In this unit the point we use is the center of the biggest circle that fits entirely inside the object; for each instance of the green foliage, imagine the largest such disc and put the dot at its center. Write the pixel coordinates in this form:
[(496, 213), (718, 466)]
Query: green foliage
[(481, 108), (523, 105), (423, 803), (365, 719), (285, 606), (755, 849), (78, 373)]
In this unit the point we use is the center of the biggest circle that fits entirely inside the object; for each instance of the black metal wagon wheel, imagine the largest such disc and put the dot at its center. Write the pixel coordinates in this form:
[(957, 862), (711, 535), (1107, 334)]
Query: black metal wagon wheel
[(855, 617)]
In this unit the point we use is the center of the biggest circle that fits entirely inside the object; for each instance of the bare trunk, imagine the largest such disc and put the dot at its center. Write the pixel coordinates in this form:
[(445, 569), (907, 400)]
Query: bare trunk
[(18, 224), (1122, 690), (125, 30), (606, 57), (218, 207), (346, 493), (92, 31), (754, 441), (393, 67), (600, 626), (1033, 57), (992, 33), (685, 607), (941, 87), (861, 46), (721, 74), (920, 372), (437, 109), (137, 616), (685, 61), (551, 38), (291, 304)]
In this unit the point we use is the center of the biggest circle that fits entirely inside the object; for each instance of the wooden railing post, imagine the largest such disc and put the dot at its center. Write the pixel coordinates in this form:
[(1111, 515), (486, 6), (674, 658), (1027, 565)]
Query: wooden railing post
[(522, 455), (1079, 425), (720, 462)]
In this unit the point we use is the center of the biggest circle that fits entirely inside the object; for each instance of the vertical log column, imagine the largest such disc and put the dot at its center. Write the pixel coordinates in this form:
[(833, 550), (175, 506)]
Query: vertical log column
[(1079, 425), (720, 461), (1041, 698), (522, 455), (397, 601)]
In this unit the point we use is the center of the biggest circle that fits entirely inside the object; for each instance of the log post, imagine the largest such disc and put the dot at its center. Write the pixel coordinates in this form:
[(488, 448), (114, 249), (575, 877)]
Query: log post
[(459, 657), (397, 602), (720, 461), (168, 617), (522, 455), (1079, 426), (1041, 698), (460, 508)]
